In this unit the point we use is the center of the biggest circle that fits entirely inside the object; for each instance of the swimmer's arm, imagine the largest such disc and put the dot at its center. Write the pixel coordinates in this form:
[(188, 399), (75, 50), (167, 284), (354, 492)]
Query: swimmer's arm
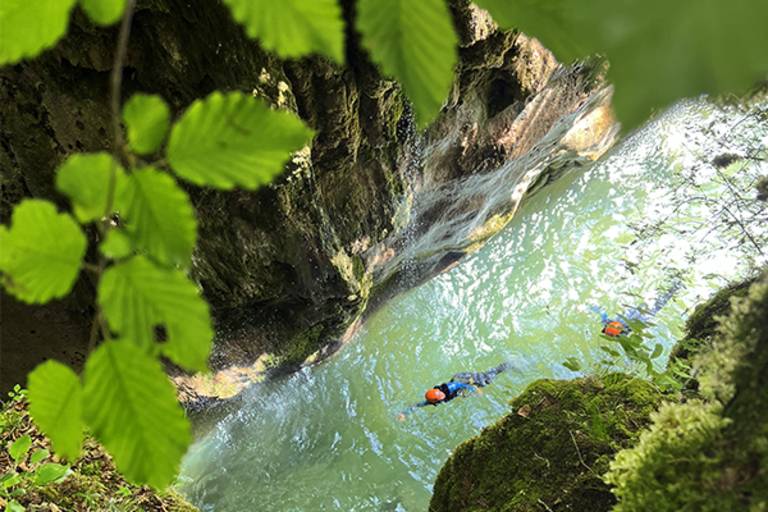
[(600, 311), (411, 409)]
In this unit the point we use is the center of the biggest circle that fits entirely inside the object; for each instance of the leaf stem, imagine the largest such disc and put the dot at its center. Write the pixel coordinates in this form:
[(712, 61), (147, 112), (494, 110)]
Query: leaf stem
[(120, 153), (116, 81)]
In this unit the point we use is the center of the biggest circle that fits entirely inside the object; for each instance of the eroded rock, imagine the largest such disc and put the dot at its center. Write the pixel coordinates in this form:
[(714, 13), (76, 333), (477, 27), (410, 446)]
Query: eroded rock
[(370, 209)]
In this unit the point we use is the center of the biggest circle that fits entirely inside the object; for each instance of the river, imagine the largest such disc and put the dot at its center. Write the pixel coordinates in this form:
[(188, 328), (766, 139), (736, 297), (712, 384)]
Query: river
[(614, 235)]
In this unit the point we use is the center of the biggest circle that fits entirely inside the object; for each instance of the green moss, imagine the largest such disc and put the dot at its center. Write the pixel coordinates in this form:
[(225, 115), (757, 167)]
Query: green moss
[(701, 329), (551, 452), (703, 322), (709, 454), (299, 348), (92, 484)]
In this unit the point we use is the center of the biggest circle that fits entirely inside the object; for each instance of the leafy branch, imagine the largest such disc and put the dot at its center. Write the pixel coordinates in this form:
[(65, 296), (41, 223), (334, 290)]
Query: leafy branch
[(147, 231), (145, 220)]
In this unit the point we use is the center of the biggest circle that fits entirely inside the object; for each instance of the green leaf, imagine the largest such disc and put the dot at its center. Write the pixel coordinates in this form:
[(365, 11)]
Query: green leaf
[(609, 350), (28, 28), (630, 348), (4, 241), (158, 216), (19, 448), (234, 139), (147, 118), (56, 405), (137, 296), (293, 28), (657, 350), (131, 407), (39, 455), (103, 12), (116, 245), (14, 506), (665, 381), (572, 364), (659, 51), (50, 472), (415, 42), (42, 252), (9, 479), (85, 179)]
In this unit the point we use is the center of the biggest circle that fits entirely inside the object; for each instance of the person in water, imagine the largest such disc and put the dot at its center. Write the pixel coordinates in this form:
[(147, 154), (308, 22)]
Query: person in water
[(619, 326), (461, 384)]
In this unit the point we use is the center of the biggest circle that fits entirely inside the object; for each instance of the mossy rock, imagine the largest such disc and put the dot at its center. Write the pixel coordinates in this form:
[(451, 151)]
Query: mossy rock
[(550, 453), (701, 329), (92, 484), (703, 322), (709, 454)]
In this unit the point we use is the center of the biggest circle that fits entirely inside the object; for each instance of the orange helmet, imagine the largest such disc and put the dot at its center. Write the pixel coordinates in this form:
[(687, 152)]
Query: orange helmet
[(434, 395), (613, 328)]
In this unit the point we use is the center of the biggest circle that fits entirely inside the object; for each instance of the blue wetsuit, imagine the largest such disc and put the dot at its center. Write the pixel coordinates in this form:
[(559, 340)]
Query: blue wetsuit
[(453, 388), (461, 383)]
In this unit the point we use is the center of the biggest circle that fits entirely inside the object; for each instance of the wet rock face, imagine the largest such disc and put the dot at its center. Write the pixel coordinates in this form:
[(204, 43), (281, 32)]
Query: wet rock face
[(289, 268)]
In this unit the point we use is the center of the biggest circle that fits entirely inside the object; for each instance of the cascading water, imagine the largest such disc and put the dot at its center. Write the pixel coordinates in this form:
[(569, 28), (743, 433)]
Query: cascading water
[(657, 206)]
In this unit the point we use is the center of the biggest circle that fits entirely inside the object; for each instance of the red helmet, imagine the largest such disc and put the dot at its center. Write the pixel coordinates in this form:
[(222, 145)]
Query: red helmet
[(434, 395), (613, 329)]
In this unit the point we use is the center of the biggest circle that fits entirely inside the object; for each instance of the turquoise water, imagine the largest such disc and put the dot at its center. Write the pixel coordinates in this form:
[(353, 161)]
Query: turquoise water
[(327, 438)]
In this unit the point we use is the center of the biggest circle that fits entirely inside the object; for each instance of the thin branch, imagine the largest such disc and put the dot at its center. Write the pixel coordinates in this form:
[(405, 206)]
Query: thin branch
[(90, 267), (116, 82), (544, 505), (94, 335), (578, 452), (744, 230)]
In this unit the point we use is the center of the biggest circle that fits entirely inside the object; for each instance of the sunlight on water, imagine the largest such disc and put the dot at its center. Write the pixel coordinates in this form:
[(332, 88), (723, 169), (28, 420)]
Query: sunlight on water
[(615, 236)]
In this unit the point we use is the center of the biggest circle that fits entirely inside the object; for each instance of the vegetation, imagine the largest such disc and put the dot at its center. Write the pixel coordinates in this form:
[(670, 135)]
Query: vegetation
[(550, 453), (39, 481), (148, 309), (706, 450), (709, 453), (649, 42)]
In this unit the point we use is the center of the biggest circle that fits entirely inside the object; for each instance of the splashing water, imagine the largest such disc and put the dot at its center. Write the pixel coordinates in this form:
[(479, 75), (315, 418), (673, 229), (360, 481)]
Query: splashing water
[(615, 236)]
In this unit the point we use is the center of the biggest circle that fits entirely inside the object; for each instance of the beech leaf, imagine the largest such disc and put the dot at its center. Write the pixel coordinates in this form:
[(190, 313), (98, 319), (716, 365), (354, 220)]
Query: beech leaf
[(137, 297), (56, 405), (41, 252), (158, 216), (233, 139), (293, 28), (28, 28), (415, 43), (131, 408)]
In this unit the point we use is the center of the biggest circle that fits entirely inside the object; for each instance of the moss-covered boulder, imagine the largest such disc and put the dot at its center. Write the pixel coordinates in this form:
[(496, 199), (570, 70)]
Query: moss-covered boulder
[(92, 484), (551, 451), (704, 321), (701, 329), (709, 453)]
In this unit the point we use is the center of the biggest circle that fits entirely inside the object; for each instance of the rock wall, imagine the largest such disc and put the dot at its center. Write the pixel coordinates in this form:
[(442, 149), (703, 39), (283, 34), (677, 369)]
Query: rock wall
[(373, 207)]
